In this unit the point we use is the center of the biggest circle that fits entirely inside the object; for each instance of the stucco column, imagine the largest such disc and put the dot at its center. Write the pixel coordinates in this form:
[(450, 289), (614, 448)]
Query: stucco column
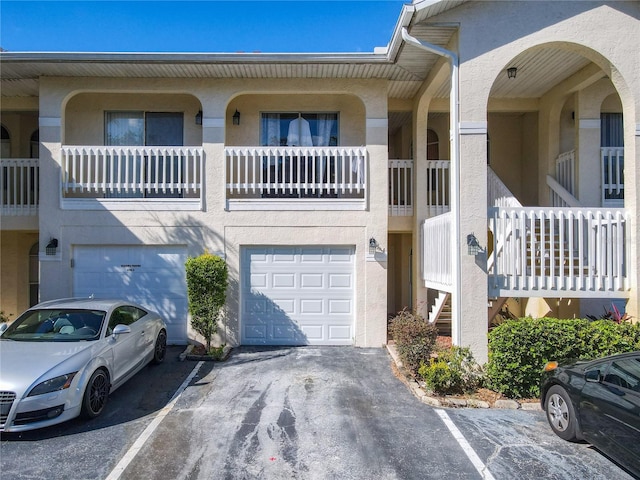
[(588, 161), (473, 220), (376, 265)]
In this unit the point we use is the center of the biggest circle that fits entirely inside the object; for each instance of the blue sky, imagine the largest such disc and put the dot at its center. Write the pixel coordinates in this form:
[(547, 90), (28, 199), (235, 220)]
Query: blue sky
[(198, 26)]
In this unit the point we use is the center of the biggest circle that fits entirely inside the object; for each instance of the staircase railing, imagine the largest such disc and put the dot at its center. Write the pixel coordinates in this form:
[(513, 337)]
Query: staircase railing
[(436, 252), (612, 161), (559, 251)]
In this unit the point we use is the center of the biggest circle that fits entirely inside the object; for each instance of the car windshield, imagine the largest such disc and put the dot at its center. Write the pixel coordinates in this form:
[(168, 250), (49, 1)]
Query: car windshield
[(56, 325)]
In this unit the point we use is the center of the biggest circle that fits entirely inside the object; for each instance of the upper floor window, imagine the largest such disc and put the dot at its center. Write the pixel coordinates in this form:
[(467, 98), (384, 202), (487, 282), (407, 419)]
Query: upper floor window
[(433, 145), (299, 129), (611, 130), (34, 146), (144, 128)]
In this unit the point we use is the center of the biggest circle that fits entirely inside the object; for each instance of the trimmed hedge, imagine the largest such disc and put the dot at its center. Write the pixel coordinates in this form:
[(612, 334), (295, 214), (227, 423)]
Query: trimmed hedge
[(452, 371), (519, 349)]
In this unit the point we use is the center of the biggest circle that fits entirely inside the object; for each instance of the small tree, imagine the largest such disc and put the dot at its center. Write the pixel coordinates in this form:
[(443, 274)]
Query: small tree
[(206, 288)]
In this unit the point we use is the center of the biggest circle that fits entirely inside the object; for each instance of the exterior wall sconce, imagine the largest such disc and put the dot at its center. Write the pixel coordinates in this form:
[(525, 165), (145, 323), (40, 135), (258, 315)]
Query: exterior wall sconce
[(373, 246), (51, 247), (473, 247), (511, 72), (236, 117), (199, 117)]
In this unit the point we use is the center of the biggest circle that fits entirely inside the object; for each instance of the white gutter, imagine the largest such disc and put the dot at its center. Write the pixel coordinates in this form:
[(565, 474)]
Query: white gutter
[(455, 175)]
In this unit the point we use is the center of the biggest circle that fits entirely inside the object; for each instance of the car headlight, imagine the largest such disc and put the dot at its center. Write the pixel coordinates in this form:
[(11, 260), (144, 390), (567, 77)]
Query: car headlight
[(53, 385)]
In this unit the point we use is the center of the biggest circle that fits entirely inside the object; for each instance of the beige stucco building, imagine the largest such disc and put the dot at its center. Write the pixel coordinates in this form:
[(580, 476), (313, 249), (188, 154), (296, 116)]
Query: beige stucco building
[(487, 157)]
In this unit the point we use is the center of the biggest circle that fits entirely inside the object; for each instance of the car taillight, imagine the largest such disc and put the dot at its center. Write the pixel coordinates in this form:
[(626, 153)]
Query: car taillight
[(550, 366)]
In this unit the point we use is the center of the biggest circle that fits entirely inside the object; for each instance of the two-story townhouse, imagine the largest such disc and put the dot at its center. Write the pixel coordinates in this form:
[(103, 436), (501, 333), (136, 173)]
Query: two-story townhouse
[(476, 161)]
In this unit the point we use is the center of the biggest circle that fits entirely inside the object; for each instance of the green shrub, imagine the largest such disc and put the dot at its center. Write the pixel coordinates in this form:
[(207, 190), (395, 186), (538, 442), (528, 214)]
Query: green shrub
[(519, 349), (454, 370), (207, 280), (415, 338)]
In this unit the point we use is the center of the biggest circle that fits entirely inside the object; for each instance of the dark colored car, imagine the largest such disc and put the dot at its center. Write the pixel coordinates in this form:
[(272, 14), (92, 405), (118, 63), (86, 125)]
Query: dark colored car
[(597, 401)]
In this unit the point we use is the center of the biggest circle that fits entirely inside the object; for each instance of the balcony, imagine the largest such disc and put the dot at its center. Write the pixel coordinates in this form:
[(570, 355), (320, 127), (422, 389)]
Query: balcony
[(296, 178), (132, 177), (19, 186)]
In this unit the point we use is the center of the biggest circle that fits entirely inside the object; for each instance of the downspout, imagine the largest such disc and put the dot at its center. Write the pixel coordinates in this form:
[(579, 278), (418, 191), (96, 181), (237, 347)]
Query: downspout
[(455, 175)]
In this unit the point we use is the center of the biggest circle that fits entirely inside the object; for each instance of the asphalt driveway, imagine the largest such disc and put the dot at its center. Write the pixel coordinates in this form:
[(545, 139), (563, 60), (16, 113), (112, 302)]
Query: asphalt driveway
[(325, 413), (301, 413)]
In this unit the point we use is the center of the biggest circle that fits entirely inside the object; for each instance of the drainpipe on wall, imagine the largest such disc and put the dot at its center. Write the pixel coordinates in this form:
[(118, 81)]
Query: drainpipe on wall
[(455, 175)]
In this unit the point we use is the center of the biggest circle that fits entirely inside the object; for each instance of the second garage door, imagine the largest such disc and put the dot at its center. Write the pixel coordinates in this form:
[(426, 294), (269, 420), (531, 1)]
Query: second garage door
[(298, 295)]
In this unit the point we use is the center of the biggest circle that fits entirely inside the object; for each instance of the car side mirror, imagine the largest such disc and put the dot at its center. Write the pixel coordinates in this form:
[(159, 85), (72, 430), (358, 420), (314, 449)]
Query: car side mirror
[(593, 376), (3, 327), (119, 329)]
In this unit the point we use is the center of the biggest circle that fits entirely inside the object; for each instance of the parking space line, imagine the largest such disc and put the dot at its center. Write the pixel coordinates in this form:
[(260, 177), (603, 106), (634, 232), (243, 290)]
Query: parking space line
[(138, 444), (471, 454)]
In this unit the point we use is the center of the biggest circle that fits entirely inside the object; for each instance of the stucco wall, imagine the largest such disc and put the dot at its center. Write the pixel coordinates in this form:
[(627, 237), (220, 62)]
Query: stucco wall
[(14, 271)]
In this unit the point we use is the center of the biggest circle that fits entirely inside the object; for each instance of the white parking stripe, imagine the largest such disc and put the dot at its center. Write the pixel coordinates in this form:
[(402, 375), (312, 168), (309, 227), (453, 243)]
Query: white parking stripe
[(135, 448), (471, 454)]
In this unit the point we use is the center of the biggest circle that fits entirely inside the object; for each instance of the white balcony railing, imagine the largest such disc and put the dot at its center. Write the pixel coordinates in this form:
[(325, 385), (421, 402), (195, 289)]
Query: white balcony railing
[(273, 174), (612, 162), (438, 192), (559, 252), (131, 172), (400, 188), (19, 184), (436, 252)]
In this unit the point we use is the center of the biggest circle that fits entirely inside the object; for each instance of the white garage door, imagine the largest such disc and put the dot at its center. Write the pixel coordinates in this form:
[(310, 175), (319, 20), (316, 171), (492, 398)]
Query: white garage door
[(153, 276), (297, 295)]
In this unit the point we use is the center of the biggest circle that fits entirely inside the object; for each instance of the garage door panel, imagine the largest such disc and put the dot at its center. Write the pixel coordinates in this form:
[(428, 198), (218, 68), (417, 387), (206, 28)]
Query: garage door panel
[(308, 290), (153, 276)]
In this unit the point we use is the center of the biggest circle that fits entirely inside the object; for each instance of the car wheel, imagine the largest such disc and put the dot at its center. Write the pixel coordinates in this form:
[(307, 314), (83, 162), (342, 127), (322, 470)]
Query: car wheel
[(560, 413), (160, 348), (96, 394)]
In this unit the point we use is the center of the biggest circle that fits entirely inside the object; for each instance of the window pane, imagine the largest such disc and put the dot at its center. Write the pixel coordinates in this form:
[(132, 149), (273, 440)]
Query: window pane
[(124, 128), (164, 128)]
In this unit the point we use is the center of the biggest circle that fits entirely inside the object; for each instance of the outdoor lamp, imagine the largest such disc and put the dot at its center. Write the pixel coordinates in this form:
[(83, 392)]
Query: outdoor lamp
[(51, 247), (373, 246), (472, 245), (511, 72), (199, 117), (236, 117)]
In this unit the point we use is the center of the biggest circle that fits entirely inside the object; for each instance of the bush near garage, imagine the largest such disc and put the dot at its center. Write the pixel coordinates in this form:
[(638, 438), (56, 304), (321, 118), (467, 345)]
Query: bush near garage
[(519, 349), (452, 371), (207, 280), (414, 337)]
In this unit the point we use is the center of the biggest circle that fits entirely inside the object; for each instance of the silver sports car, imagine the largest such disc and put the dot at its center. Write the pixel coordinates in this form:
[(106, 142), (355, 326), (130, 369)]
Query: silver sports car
[(62, 358)]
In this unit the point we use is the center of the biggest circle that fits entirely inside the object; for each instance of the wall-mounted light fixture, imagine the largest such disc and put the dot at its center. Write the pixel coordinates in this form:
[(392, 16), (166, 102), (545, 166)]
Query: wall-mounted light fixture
[(236, 117), (373, 246), (51, 247), (511, 72), (199, 117), (473, 247)]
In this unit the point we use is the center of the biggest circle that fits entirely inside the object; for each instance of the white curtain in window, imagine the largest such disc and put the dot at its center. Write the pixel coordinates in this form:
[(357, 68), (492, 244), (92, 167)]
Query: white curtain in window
[(271, 129), (325, 125)]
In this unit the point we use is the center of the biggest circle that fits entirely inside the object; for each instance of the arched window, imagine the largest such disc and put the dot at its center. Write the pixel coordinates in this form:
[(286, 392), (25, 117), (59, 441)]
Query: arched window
[(5, 143), (433, 145), (35, 144), (34, 275)]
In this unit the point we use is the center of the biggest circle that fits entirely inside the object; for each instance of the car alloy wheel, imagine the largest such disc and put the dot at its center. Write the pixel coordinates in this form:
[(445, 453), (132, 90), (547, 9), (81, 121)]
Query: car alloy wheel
[(96, 394), (160, 348), (560, 413)]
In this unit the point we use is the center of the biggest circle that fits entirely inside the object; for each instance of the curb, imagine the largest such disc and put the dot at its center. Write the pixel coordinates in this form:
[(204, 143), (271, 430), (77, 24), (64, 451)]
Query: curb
[(455, 402)]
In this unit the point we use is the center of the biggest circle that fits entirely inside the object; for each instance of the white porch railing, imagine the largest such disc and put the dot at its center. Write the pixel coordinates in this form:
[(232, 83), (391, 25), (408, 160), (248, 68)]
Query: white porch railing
[(19, 186), (438, 201), (566, 172), (400, 188), (612, 162), (132, 172), (296, 172), (559, 252), (436, 252), (498, 195)]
